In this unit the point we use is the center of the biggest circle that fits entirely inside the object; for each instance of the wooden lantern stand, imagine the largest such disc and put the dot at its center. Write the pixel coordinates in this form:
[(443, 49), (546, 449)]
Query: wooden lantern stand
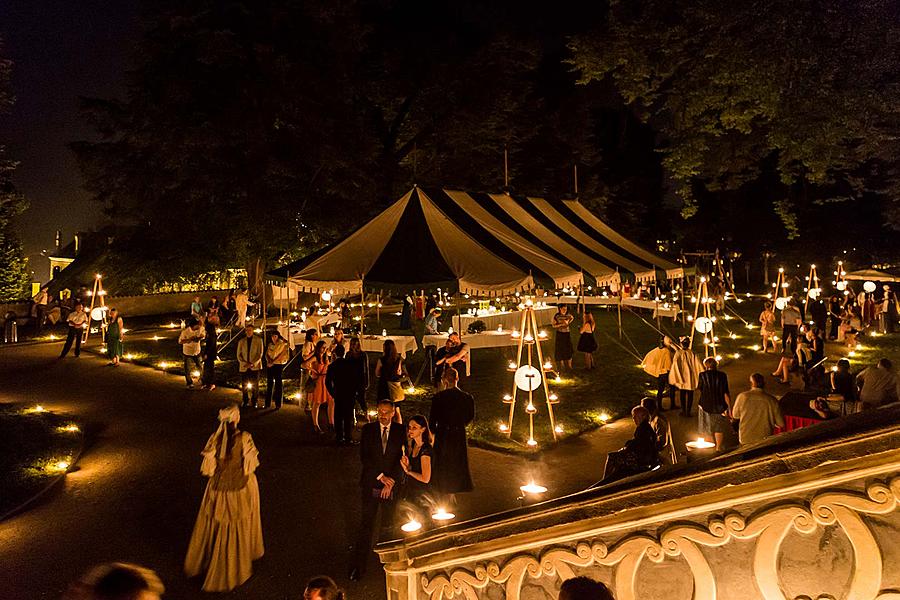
[(529, 337), (813, 291), (702, 310), (98, 300)]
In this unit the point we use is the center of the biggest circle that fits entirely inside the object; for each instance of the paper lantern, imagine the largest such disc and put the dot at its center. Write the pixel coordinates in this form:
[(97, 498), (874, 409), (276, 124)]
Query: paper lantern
[(97, 313), (326, 296), (527, 378), (841, 286), (780, 302), (870, 286), (814, 293), (703, 325)]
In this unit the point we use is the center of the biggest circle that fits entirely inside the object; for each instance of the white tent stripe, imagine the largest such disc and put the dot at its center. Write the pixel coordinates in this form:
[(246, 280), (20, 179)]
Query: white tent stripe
[(478, 270), (611, 234), (563, 275), (604, 274), (639, 270), (344, 267)]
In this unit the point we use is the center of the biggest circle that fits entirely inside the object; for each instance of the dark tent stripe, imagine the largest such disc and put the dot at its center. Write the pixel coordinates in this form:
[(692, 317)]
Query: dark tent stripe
[(576, 220), (397, 265), (487, 203), (476, 230), (549, 224)]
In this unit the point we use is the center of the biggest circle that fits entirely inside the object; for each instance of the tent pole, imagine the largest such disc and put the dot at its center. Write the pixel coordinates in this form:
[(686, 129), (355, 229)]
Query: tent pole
[(265, 312), (362, 306), (458, 318), (619, 307)]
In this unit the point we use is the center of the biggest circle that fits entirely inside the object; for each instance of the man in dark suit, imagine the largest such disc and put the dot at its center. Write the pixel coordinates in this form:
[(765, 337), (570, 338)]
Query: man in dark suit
[(342, 383), (380, 450)]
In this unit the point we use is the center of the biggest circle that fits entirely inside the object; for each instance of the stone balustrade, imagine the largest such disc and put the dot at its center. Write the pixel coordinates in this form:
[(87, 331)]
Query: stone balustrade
[(807, 515)]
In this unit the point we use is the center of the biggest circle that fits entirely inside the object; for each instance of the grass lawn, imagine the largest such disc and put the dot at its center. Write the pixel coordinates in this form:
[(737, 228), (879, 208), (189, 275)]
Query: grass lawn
[(31, 446), (611, 389)]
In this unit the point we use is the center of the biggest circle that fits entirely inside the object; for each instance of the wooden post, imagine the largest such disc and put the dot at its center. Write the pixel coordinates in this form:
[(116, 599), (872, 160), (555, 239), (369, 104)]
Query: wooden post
[(619, 307), (362, 306), (458, 317)]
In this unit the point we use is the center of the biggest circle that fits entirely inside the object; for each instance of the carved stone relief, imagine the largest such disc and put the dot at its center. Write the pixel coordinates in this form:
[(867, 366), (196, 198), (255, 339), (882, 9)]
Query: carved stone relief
[(835, 545)]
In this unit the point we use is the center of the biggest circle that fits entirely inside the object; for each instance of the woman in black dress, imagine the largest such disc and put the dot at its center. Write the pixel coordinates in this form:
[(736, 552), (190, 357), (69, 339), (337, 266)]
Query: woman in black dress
[(389, 371), (210, 351), (563, 351), (416, 463), (586, 342), (360, 362)]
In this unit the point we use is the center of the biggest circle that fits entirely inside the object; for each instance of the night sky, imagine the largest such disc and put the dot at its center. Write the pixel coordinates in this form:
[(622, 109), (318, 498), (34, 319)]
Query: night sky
[(61, 50)]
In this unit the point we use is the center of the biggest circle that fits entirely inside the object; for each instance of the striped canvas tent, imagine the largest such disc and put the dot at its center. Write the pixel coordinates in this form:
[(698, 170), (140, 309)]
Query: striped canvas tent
[(415, 243), (490, 244), (565, 230)]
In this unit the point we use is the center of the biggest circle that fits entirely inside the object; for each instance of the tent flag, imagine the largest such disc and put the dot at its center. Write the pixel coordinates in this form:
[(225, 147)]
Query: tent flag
[(485, 244)]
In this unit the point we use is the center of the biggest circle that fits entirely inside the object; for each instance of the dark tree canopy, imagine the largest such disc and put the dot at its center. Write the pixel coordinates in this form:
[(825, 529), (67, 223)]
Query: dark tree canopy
[(806, 89), (14, 273), (261, 130)]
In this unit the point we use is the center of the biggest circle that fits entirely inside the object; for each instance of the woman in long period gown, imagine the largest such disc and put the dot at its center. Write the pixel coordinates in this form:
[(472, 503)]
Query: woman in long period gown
[(227, 537)]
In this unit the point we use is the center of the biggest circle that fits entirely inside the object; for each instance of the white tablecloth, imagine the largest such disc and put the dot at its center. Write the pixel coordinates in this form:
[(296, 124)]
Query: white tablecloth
[(322, 321), (671, 311), (487, 339), (405, 343), (508, 320)]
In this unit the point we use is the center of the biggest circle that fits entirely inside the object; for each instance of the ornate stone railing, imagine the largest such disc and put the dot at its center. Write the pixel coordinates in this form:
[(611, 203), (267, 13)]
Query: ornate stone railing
[(809, 515)]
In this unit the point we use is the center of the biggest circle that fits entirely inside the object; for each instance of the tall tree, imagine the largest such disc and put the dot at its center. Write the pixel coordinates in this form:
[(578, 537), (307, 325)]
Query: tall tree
[(257, 130), (14, 274), (808, 89)]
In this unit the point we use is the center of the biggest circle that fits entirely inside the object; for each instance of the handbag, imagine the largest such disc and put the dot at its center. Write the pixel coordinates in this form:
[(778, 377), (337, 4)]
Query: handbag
[(395, 391)]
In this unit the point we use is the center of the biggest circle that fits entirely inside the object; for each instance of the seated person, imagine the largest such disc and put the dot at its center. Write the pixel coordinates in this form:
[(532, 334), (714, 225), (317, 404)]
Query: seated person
[(432, 326), (453, 354), (665, 446), (842, 382), (639, 453), (878, 385)]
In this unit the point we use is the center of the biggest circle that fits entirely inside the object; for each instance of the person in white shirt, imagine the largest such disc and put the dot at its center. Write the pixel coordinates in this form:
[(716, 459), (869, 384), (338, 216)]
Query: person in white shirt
[(189, 339), (76, 320), (241, 302), (249, 356), (756, 411), (878, 385)]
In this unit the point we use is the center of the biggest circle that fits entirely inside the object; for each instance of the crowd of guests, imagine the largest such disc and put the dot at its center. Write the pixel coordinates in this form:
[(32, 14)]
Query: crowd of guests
[(124, 581)]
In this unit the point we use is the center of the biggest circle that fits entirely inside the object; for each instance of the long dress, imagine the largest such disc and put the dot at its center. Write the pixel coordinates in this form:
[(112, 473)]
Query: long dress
[(317, 371), (563, 349), (227, 537), (587, 342), (114, 339), (451, 411), (416, 493)]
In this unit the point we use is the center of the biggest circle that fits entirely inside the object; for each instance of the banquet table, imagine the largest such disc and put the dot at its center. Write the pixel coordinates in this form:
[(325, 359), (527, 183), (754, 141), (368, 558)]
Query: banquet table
[(486, 339), (368, 343), (665, 309), (321, 321), (507, 319)]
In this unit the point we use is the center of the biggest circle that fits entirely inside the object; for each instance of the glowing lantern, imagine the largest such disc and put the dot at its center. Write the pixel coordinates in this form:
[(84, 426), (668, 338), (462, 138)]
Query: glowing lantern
[(527, 378), (703, 325)]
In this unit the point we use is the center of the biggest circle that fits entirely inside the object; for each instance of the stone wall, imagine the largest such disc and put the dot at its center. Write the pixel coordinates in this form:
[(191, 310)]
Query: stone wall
[(811, 515)]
